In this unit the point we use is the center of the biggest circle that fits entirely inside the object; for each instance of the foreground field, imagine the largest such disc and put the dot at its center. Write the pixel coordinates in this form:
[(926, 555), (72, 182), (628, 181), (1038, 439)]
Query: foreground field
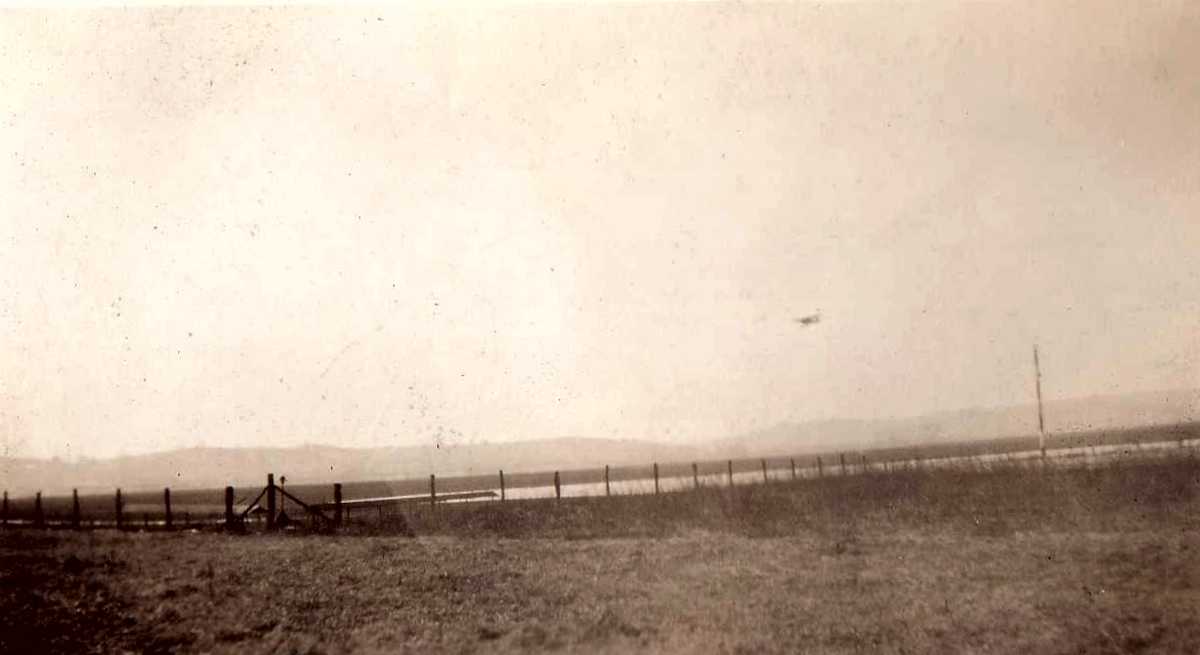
[(1063, 562)]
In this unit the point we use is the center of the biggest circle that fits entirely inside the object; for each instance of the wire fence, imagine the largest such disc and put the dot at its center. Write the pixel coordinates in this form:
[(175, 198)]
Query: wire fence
[(331, 505)]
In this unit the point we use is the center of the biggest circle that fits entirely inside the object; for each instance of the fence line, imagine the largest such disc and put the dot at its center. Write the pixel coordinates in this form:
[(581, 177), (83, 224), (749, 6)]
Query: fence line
[(11, 513)]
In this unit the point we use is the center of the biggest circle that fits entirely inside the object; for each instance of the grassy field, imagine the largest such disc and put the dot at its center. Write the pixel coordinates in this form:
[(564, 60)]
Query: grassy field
[(1012, 560)]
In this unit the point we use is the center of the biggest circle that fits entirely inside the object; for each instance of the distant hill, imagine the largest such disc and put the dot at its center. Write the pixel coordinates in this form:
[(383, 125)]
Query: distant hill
[(217, 467), (1073, 415)]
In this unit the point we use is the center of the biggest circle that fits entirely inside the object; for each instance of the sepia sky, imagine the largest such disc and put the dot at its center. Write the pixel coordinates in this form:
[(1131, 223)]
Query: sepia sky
[(236, 226)]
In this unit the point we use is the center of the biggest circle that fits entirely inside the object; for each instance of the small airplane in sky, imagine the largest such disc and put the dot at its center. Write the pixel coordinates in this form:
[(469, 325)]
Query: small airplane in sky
[(811, 319)]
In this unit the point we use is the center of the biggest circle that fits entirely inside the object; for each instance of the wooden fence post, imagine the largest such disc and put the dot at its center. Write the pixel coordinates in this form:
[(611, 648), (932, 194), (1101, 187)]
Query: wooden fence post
[(607, 490), (145, 520), (764, 468), (75, 509), (120, 511), (270, 501), (843, 458), (557, 487), (820, 468), (793, 468), (501, 485), (864, 463), (4, 511), (168, 522), (337, 504), (656, 478), (432, 491), (39, 520), (229, 508), (729, 463), (695, 476)]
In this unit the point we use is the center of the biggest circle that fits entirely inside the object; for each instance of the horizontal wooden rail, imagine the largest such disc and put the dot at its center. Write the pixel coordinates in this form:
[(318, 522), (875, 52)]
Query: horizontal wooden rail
[(312, 509), (397, 500)]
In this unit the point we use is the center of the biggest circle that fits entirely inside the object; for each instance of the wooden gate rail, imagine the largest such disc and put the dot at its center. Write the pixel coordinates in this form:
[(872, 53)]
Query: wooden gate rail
[(253, 503), (308, 508)]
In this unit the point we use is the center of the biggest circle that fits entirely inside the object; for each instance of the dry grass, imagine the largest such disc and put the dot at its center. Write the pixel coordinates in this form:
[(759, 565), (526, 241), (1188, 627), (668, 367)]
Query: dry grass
[(1075, 561), (979, 501)]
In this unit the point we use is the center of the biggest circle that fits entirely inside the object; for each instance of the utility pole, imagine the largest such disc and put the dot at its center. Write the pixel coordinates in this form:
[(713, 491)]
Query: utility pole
[(1037, 373)]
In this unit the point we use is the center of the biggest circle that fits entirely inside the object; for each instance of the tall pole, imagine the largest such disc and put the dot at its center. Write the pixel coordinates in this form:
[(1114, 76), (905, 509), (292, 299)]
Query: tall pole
[(337, 504), (167, 518), (228, 508), (1037, 376), (270, 501)]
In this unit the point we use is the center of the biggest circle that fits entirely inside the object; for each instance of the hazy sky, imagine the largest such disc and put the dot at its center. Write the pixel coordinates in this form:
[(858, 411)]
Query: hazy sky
[(390, 227)]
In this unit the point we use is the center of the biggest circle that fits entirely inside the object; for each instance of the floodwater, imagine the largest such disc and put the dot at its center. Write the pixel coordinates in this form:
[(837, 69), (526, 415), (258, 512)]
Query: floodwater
[(1059, 457)]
